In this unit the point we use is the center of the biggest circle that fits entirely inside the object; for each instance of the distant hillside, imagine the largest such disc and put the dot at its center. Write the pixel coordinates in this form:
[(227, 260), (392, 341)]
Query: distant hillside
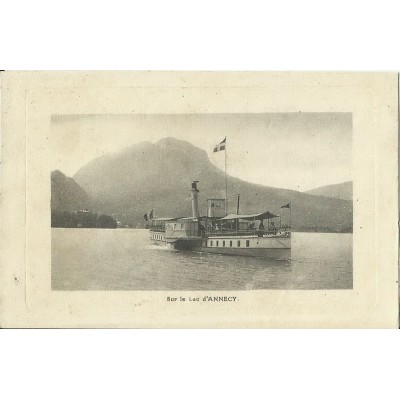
[(342, 191), (158, 176), (66, 194)]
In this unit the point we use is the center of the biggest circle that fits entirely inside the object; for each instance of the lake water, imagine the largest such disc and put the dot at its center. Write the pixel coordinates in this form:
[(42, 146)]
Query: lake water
[(124, 259)]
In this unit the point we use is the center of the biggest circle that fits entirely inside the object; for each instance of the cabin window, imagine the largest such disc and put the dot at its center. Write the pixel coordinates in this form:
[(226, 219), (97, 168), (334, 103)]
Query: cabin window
[(238, 243), (247, 243), (211, 243), (230, 243), (223, 243), (217, 243)]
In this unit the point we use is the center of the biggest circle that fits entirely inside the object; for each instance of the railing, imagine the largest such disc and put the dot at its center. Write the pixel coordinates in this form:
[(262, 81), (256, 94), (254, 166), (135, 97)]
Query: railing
[(246, 232), (157, 228), (220, 232)]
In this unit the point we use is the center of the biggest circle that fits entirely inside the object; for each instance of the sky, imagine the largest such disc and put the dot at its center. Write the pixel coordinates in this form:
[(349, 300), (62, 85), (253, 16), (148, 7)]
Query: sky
[(299, 151)]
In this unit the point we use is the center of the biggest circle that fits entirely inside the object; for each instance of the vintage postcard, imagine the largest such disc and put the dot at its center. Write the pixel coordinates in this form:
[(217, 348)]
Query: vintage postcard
[(199, 199)]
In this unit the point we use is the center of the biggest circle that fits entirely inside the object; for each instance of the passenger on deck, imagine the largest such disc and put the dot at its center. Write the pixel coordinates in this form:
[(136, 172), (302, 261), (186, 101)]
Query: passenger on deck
[(261, 229)]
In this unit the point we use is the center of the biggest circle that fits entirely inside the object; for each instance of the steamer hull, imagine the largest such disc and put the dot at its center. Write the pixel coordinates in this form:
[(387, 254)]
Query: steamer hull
[(175, 242), (250, 246)]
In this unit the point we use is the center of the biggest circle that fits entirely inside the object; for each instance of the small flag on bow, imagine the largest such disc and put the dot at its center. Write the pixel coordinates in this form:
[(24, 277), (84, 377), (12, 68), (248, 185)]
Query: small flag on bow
[(220, 146), (286, 205)]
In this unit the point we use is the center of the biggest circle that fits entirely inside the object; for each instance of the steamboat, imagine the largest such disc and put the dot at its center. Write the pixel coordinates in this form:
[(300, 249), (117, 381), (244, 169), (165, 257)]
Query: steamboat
[(255, 235)]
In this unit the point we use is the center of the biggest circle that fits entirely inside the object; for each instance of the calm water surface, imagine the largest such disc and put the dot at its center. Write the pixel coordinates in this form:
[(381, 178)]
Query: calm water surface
[(124, 259)]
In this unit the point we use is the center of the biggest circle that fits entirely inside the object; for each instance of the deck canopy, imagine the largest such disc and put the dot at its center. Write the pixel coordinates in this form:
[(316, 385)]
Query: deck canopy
[(251, 217)]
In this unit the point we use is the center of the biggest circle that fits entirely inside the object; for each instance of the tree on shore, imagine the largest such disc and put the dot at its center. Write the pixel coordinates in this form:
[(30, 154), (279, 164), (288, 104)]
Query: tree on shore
[(81, 219)]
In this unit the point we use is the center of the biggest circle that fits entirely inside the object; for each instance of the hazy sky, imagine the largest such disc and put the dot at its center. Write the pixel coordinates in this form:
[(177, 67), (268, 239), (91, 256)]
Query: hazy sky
[(297, 151)]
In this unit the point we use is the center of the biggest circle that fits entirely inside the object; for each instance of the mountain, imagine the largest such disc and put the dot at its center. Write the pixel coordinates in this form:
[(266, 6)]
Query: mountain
[(342, 191), (158, 176), (66, 194)]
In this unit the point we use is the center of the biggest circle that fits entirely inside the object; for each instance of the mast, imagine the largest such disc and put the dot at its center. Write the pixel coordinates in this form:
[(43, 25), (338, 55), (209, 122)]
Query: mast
[(237, 212), (226, 184)]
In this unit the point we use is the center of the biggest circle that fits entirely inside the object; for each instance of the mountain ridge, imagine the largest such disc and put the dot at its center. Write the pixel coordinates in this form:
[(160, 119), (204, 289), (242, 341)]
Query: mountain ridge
[(343, 191), (158, 176), (66, 194)]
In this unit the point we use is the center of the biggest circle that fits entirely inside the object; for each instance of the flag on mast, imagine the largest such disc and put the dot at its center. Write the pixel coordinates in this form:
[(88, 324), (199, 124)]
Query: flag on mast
[(286, 205), (220, 146)]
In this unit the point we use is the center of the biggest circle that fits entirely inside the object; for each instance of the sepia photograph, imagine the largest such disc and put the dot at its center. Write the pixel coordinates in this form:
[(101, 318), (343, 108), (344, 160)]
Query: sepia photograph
[(199, 199), (196, 201)]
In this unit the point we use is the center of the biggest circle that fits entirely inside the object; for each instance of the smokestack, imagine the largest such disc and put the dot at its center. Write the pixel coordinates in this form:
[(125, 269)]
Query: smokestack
[(194, 198)]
